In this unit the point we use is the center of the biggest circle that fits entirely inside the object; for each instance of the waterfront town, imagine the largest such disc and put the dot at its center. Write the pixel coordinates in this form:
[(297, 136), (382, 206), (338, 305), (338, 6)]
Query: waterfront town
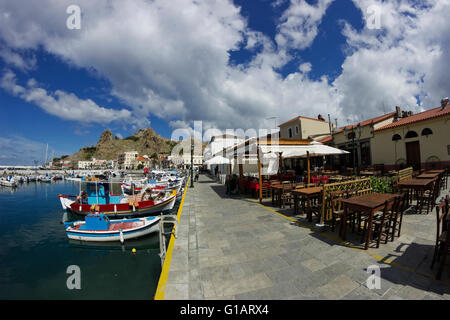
[(228, 156), (301, 213)]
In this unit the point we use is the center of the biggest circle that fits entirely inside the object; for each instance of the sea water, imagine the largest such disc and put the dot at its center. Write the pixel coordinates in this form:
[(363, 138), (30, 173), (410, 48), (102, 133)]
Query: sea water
[(37, 259)]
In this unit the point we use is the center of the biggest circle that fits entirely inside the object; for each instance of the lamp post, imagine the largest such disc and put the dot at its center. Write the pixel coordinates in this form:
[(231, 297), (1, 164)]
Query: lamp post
[(192, 162), (352, 134)]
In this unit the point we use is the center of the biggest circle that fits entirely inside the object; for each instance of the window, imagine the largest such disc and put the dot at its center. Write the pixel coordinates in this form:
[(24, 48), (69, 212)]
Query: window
[(290, 132), (411, 134), (296, 130), (426, 132), (365, 153), (396, 137)]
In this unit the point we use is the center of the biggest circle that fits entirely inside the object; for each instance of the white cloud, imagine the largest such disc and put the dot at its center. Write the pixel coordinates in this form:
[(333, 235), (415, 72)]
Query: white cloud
[(171, 59), (300, 22), (16, 60), (404, 59), (62, 104)]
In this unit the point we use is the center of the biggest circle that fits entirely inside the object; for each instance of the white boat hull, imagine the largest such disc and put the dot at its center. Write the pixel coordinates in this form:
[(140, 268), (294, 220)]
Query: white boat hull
[(151, 225)]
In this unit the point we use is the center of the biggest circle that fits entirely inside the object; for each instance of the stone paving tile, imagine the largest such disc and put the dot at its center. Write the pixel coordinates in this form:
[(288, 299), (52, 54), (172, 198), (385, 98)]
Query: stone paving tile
[(338, 288), (361, 293), (313, 264), (231, 287), (233, 248)]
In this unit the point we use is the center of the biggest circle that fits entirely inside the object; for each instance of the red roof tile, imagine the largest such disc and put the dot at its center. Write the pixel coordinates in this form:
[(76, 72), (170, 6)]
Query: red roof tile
[(426, 115), (367, 122), (325, 140)]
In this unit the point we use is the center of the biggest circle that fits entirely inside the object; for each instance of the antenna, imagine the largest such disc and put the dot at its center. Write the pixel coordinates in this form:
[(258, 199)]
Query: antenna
[(275, 120)]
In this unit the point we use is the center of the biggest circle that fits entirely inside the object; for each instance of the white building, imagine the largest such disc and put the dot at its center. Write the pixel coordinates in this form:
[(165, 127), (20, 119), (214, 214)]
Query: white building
[(217, 144), (85, 164), (185, 160), (127, 160)]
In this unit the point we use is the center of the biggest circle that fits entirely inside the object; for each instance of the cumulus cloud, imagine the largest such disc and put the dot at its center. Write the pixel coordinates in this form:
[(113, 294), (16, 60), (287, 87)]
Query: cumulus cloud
[(404, 62), (62, 104), (300, 22), (170, 59)]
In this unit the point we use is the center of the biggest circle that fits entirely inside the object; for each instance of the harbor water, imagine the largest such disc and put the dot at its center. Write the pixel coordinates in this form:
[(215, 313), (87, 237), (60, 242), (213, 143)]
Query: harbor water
[(36, 256)]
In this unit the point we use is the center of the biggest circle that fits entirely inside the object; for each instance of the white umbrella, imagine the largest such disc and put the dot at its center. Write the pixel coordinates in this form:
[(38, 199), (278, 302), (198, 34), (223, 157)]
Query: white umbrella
[(315, 149), (217, 160)]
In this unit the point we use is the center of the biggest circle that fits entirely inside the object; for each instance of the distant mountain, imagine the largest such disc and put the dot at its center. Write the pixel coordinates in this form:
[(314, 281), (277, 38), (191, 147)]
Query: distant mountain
[(108, 147)]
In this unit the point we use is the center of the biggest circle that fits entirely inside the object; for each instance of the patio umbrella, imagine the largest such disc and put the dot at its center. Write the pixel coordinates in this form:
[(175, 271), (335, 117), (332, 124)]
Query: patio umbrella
[(315, 149), (217, 160)]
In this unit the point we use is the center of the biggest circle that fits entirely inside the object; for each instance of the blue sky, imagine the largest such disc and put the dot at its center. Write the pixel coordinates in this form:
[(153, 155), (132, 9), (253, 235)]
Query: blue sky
[(229, 63)]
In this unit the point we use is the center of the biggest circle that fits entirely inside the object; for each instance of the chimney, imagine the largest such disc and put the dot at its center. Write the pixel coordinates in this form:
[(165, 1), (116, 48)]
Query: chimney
[(444, 103)]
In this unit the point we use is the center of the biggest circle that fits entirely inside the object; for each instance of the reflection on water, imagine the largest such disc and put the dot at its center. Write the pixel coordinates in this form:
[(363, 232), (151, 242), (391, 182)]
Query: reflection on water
[(36, 252)]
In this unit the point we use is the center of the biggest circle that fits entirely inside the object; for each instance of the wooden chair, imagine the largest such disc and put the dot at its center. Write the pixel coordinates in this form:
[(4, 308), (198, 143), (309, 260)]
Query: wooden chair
[(382, 222), (286, 196), (265, 189), (430, 196), (337, 208), (397, 218), (441, 226), (442, 235)]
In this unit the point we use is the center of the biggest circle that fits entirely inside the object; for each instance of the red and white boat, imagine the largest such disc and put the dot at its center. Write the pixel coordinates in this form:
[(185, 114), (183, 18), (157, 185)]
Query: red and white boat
[(98, 199)]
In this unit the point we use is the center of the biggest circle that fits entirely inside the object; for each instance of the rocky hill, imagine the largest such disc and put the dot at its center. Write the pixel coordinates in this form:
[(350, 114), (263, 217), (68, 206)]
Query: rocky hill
[(108, 147)]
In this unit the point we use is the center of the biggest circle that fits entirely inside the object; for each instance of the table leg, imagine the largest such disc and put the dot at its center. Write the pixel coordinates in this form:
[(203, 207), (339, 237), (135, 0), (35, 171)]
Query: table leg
[(309, 209), (343, 228), (369, 231), (420, 200), (295, 204)]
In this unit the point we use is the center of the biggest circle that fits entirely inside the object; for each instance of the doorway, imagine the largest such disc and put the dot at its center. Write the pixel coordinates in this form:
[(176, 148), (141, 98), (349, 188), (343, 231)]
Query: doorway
[(413, 154)]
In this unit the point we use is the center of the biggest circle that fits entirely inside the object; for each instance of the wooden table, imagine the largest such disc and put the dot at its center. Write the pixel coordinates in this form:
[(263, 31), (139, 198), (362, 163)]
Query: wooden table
[(308, 194), (435, 171), (427, 175), (368, 203), (419, 185), (367, 173)]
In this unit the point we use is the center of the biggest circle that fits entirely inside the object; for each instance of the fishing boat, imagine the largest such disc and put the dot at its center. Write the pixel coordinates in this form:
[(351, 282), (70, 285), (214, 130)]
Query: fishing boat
[(98, 227), (97, 197), (46, 179), (8, 182)]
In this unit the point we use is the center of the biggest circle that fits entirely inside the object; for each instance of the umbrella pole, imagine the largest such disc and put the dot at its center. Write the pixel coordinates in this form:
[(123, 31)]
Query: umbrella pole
[(260, 178), (309, 166)]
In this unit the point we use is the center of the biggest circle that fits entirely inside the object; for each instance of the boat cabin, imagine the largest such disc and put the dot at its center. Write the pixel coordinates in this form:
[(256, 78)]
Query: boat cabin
[(94, 192), (95, 222)]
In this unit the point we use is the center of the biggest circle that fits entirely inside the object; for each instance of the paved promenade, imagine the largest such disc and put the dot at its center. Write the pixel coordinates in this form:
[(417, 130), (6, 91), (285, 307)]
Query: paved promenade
[(234, 248)]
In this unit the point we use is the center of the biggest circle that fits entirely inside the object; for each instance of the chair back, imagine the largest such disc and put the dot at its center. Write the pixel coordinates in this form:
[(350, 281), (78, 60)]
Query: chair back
[(336, 198), (441, 214)]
